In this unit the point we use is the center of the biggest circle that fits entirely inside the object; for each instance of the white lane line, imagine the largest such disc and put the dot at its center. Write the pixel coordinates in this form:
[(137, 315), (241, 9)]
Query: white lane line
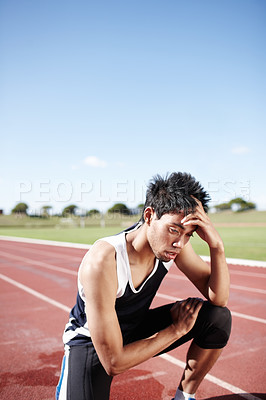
[(248, 289), (161, 295), (35, 293), (249, 317), (166, 357), (70, 272), (213, 379), (38, 263), (45, 242), (148, 376), (232, 286), (240, 261), (235, 354), (232, 261), (234, 272), (245, 273), (167, 297), (81, 246), (44, 252), (139, 378), (234, 313)]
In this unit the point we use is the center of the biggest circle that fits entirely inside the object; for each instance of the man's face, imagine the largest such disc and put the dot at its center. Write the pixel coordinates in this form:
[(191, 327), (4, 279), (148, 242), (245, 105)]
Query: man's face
[(167, 236)]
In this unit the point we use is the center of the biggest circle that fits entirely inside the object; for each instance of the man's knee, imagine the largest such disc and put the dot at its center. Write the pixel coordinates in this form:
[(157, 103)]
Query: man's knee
[(214, 326)]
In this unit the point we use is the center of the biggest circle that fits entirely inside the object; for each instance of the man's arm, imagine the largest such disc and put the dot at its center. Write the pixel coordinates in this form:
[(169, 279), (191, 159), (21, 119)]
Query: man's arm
[(99, 279), (213, 281)]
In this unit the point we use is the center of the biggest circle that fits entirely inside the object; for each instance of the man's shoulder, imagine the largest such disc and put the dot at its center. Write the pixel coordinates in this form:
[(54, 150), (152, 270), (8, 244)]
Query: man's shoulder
[(100, 255)]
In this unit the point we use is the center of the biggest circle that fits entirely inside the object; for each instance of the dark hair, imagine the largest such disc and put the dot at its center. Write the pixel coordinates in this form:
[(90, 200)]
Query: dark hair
[(173, 194)]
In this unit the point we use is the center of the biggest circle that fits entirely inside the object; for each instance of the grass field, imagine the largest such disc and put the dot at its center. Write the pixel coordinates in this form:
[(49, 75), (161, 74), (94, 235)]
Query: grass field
[(244, 234), (240, 242)]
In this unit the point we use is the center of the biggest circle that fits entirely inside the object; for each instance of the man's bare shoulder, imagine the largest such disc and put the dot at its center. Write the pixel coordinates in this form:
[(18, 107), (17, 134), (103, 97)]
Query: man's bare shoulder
[(98, 275), (101, 254)]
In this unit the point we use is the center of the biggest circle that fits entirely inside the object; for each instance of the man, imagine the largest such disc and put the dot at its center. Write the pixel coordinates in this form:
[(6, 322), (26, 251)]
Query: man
[(112, 327)]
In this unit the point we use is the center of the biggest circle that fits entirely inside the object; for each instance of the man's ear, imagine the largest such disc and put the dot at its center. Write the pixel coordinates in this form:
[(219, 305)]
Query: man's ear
[(148, 214)]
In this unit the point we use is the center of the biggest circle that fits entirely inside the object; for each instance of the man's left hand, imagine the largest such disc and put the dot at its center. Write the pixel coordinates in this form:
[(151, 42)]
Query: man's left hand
[(205, 228)]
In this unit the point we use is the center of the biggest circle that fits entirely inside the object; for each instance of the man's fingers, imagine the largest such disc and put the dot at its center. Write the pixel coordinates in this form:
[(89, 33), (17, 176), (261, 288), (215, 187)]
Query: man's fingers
[(185, 312), (198, 216), (198, 305), (193, 303), (190, 304)]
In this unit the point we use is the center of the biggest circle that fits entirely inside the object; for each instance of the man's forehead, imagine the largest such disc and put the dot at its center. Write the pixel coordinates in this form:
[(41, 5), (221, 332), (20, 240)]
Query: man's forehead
[(189, 228), (178, 215), (175, 218)]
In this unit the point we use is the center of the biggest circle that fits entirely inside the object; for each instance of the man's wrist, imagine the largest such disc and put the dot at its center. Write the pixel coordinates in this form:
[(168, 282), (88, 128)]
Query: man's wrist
[(177, 331), (217, 247)]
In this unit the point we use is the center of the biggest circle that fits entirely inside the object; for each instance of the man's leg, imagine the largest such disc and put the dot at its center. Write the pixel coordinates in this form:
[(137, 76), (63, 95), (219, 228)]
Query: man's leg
[(198, 364), (83, 376), (211, 333)]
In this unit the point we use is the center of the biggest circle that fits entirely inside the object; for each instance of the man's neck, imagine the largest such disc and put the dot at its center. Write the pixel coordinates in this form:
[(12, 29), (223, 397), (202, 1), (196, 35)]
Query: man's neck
[(139, 250)]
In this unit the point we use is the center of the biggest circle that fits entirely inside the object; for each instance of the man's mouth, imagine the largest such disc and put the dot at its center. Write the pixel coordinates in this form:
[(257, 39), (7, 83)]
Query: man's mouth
[(171, 255)]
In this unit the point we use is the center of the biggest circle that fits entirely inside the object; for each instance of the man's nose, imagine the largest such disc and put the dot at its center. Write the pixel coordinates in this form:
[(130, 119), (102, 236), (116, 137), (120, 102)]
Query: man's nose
[(179, 243)]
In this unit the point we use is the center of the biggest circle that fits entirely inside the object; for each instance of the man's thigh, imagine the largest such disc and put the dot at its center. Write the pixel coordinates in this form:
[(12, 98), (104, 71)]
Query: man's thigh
[(155, 320), (84, 376), (211, 330)]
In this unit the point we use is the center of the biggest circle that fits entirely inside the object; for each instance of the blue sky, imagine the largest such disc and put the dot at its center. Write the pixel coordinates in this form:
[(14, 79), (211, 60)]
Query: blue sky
[(97, 97)]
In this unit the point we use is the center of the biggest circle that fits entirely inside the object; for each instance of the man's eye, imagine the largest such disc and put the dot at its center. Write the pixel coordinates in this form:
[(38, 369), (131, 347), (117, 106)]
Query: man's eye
[(172, 230), (190, 234)]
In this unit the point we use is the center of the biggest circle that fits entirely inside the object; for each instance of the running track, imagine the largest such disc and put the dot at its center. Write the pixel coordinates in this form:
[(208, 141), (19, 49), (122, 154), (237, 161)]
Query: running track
[(38, 287)]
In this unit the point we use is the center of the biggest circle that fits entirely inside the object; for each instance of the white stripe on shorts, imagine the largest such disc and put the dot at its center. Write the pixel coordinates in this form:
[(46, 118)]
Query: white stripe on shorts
[(62, 386)]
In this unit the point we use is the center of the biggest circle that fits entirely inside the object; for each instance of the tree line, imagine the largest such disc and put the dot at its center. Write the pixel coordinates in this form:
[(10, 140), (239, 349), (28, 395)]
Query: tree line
[(71, 210), (237, 205)]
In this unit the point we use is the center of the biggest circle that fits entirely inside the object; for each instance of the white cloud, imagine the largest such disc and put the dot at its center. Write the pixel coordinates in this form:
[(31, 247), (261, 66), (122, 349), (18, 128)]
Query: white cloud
[(95, 162), (240, 150)]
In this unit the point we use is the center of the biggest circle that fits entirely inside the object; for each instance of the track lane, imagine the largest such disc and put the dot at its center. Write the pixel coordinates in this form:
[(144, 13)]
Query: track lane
[(218, 381), (45, 283), (64, 283), (245, 303), (30, 345)]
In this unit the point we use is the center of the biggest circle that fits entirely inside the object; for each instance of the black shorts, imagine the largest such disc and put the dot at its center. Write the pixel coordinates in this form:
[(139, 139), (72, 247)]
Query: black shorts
[(84, 378)]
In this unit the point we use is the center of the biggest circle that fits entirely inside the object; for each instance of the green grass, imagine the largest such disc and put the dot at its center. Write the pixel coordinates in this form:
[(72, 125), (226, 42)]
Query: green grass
[(75, 221), (73, 235), (240, 241), (26, 221), (246, 217)]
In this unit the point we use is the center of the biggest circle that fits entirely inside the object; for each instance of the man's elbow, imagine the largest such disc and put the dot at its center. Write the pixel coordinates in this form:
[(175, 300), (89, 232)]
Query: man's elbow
[(219, 301), (112, 371), (113, 368)]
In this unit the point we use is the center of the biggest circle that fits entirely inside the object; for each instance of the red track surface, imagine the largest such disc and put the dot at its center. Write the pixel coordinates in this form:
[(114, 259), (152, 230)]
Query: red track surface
[(32, 326)]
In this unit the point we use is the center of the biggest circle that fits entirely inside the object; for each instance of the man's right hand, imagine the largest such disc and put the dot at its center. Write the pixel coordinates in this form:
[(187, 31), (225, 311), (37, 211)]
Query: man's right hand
[(184, 314)]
